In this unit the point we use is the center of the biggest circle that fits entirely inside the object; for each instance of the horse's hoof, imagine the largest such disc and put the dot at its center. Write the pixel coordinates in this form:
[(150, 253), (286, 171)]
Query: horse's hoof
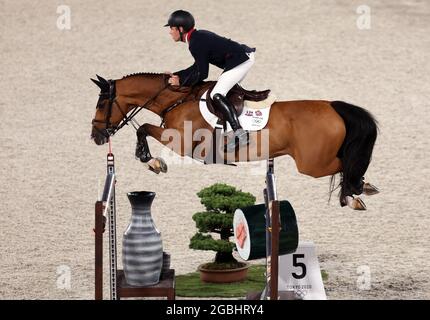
[(153, 170), (162, 164), (370, 189), (355, 203), (154, 166), (359, 205)]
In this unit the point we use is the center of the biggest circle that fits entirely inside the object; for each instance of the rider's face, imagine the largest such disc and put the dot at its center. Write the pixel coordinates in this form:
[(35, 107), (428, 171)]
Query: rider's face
[(174, 33)]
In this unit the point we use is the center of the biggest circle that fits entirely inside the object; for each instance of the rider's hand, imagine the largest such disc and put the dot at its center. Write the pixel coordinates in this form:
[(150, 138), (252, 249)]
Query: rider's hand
[(174, 80)]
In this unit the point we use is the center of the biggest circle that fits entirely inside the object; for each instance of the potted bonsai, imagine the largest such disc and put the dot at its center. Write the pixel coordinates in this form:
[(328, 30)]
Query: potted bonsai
[(220, 201)]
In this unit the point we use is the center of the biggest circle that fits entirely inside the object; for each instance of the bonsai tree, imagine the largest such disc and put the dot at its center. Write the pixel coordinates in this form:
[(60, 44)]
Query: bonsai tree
[(220, 201)]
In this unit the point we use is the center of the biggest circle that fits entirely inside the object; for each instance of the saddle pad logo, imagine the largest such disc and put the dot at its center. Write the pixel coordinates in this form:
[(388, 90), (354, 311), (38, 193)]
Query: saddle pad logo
[(257, 118)]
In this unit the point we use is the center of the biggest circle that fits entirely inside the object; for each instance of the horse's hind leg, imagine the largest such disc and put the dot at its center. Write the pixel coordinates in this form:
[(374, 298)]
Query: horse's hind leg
[(332, 168), (355, 202), (317, 170)]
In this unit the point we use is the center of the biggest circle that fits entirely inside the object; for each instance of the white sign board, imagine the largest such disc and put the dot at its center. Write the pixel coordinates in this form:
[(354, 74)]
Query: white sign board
[(300, 273)]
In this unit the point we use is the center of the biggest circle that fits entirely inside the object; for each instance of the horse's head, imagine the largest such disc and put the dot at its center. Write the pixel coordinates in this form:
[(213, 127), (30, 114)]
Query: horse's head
[(108, 112), (138, 91)]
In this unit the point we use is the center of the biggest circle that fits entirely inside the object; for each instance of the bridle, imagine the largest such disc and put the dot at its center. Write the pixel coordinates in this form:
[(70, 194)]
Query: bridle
[(110, 129)]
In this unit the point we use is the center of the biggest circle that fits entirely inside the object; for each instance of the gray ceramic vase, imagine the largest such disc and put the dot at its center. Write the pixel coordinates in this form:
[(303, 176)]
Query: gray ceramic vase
[(142, 248)]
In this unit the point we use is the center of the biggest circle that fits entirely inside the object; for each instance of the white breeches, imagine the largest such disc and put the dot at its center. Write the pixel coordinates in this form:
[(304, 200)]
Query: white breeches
[(228, 79)]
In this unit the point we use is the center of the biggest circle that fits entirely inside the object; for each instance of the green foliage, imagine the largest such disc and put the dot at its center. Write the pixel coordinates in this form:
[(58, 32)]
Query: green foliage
[(324, 275), (213, 221), (220, 201), (206, 242), (222, 197)]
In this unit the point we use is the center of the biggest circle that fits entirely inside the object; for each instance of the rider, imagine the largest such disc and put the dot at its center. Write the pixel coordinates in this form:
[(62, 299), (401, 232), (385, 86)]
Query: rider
[(209, 48)]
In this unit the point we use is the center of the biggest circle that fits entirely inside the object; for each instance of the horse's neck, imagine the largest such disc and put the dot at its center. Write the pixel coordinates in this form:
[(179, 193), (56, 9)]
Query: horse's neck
[(141, 89)]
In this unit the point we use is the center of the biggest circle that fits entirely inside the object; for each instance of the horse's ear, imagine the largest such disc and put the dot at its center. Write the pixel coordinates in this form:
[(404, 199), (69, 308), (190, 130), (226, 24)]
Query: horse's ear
[(98, 83), (101, 79)]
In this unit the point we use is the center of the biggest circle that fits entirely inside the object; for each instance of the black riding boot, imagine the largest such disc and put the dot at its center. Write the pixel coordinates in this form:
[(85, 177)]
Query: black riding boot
[(224, 106)]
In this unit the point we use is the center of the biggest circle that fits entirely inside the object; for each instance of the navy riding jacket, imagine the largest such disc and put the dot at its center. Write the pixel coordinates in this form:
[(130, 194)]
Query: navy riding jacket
[(210, 48)]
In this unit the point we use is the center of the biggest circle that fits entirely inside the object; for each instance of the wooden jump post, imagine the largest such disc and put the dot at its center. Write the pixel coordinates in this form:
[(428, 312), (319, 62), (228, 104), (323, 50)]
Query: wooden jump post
[(272, 233)]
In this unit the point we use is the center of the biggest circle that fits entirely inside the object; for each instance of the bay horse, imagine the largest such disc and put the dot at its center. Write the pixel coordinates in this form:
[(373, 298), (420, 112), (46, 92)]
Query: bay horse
[(323, 137)]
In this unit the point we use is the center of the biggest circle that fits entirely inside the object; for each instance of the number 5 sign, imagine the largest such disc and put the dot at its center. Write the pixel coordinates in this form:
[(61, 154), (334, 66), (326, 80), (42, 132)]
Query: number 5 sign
[(300, 273)]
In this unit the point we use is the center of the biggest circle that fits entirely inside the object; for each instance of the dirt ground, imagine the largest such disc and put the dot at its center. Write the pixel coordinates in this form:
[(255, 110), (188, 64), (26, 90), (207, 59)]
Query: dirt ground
[(52, 172)]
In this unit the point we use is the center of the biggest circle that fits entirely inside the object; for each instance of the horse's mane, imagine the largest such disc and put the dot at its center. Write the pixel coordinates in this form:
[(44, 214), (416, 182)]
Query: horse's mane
[(150, 74)]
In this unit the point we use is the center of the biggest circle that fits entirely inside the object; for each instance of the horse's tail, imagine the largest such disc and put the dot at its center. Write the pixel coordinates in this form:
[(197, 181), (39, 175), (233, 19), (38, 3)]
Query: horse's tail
[(356, 150)]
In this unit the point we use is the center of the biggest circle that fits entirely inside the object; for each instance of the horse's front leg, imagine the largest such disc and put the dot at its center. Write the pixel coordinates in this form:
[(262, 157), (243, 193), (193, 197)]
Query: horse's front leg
[(143, 153), (142, 148)]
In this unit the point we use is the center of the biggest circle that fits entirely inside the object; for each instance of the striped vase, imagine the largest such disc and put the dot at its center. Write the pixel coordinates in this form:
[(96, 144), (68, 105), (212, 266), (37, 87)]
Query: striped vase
[(142, 249)]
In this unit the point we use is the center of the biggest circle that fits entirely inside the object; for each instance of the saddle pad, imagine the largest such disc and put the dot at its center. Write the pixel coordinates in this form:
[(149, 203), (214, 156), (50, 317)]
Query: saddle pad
[(251, 119)]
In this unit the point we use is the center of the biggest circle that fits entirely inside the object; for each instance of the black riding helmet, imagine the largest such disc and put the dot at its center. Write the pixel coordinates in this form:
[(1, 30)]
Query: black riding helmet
[(181, 18)]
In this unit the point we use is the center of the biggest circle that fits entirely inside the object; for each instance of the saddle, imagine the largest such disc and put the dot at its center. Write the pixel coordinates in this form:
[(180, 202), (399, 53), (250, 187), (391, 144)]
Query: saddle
[(237, 95)]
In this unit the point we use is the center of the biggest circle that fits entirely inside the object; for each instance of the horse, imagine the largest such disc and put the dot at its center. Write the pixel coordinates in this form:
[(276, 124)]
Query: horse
[(323, 137)]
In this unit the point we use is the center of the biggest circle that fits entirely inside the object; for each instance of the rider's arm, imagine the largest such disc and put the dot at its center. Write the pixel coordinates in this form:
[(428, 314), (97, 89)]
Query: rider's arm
[(199, 70), (201, 63), (186, 74)]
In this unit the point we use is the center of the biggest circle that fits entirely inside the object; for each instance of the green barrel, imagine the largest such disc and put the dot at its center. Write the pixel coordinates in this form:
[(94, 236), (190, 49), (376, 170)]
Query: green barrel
[(249, 225)]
